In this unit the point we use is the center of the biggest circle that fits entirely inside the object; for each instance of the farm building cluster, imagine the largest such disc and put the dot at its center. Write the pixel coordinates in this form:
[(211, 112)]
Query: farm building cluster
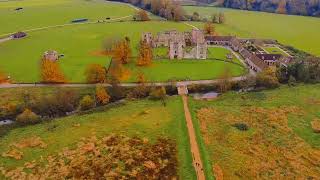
[(194, 45), (249, 49)]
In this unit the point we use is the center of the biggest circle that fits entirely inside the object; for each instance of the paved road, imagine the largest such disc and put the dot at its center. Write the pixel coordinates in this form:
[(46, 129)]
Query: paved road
[(196, 158), (179, 83), (69, 24), (191, 25), (2, 40)]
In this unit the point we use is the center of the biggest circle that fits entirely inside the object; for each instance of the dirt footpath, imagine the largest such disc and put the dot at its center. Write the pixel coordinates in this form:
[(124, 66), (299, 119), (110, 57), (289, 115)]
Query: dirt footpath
[(197, 163)]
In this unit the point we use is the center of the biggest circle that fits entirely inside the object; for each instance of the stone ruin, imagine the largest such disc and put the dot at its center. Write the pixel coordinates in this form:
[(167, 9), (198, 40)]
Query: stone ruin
[(182, 45), (51, 55)]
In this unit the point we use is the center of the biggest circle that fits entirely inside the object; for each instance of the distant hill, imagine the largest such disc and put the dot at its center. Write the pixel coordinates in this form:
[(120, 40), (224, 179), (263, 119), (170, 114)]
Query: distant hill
[(296, 7)]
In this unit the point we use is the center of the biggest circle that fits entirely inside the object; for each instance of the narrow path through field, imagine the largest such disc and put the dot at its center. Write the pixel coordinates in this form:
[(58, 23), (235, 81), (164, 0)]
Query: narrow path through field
[(197, 163), (69, 24), (84, 23), (191, 25)]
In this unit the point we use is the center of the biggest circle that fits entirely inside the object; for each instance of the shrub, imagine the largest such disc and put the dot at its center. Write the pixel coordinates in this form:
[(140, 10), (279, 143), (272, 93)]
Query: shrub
[(140, 91), (28, 117), (102, 97), (67, 100), (292, 81), (241, 126), (248, 82), (116, 90), (158, 93), (86, 103), (141, 15), (57, 104), (10, 110), (95, 73), (268, 78), (3, 78)]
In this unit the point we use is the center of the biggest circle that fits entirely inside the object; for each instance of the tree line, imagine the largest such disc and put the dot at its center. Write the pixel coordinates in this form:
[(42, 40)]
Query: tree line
[(295, 7), (171, 10)]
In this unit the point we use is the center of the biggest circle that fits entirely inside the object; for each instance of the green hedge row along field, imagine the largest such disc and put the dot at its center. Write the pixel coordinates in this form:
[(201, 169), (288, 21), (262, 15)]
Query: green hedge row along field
[(298, 31), (80, 43), (144, 118), (280, 119), (42, 13)]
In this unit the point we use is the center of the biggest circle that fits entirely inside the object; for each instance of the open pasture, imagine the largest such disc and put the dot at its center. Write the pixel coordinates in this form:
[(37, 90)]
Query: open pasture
[(43, 13), (263, 134)]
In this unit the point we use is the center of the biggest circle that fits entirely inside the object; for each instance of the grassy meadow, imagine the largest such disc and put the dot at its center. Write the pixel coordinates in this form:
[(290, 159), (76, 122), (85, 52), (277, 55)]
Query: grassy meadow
[(298, 31), (143, 118), (42, 13), (279, 130), (79, 44)]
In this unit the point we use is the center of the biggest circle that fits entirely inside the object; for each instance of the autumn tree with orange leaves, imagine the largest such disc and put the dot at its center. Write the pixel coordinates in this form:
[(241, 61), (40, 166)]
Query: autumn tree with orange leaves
[(96, 73), (141, 15), (145, 54), (121, 51), (116, 70), (102, 97), (282, 9), (209, 28), (3, 78), (51, 72)]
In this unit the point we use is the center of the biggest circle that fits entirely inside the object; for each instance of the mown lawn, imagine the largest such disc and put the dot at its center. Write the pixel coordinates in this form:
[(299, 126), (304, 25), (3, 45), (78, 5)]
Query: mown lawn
[(275, 50), (298, 31), (143, 118), (164, 70), (41, 13), (281, 118), (221, 53)]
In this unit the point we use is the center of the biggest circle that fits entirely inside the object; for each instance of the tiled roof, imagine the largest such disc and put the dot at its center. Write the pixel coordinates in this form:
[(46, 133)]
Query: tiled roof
[(219, 38), (269, 57), (258, 62)]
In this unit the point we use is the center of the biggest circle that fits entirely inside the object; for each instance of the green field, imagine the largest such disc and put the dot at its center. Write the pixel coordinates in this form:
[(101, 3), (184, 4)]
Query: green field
[(78, 43), (129, 119), (275, 50), (42, 13), (279, 119), (298, 31), (163, 70)]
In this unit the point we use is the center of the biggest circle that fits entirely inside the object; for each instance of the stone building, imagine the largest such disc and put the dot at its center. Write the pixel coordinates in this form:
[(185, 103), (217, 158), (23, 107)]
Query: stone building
[(182, 45), (176, 50), (255, 61)]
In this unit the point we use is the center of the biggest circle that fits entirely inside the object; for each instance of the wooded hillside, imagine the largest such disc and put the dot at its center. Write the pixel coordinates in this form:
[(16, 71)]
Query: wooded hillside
[(297, 7)]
